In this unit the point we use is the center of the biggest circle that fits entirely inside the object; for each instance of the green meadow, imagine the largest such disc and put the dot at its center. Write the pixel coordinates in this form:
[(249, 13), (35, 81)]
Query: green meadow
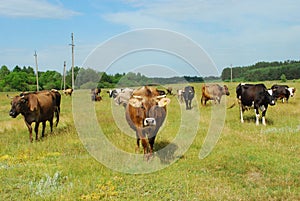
[(237, 161)]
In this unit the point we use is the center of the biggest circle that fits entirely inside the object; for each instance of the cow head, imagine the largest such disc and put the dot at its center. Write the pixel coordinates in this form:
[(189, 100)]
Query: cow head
[(146, 101), (17, 105), (292, 91), (225, 90), (270, 97)]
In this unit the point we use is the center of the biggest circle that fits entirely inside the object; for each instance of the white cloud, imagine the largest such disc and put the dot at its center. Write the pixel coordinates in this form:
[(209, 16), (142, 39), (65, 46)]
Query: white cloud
[(34, 9), (232, 31)]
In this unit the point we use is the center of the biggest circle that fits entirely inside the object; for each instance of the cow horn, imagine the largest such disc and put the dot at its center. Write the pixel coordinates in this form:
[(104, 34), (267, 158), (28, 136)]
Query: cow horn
[(138, 97), (161, 96)]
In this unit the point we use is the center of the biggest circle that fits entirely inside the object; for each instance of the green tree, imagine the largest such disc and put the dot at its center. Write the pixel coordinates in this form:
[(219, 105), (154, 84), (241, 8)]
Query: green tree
[(283, 78), (50, 80), (4, 71), (17, 81)]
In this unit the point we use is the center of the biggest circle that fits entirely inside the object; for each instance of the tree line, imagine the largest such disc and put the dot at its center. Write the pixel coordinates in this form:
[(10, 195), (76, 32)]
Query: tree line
[(262, 71), (24, 79)]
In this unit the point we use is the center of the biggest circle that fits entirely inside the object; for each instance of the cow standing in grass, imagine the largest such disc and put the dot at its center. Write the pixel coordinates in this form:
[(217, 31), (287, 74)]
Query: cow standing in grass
[(145, 113), (37, 107), (254, 95), (188, 95), (282, 92), (68, 92), (213, 92)]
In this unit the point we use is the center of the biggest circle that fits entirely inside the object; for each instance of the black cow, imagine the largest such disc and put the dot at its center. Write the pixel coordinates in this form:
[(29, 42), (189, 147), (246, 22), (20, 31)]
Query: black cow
[(188, 95), (256, 95)]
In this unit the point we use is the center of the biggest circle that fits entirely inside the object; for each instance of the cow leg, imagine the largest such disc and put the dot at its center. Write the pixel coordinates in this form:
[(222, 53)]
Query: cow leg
[(137, 148), (186, 105), (263, 114), (36, 129), (257, 116), (43, 128), (241, 113), (141, 136), (51, 125), (30, 130)]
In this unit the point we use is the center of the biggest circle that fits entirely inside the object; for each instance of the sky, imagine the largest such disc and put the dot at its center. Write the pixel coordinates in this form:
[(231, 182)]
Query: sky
[(226, 32)]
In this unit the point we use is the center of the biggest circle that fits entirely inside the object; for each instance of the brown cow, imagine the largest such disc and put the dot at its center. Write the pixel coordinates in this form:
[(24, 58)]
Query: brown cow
[(95, 94), (37, 107), (145, 114), (68, 92), (213, 92)]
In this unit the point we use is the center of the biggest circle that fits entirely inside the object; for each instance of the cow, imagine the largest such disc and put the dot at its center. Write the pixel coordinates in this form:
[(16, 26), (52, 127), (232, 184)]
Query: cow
[(180, 95), (123, 97), (114, 92), (213, 92), (188, 95), (282, 92), (95, 94), (255, 95), (145, 113), (169, 90), (37, 107), (68, 92)]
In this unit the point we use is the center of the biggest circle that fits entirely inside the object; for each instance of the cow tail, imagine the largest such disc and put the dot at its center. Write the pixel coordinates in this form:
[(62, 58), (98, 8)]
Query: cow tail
[(57, 110)]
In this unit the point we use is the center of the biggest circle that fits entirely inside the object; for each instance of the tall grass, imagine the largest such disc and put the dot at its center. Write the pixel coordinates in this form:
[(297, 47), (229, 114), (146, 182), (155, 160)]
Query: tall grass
[(249, 162)]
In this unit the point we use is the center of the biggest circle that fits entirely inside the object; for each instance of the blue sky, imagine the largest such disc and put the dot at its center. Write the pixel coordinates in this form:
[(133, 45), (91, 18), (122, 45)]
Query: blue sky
[(229, 31)]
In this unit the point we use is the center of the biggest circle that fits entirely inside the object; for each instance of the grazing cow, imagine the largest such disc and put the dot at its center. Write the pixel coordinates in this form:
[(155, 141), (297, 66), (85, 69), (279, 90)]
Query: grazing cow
[(213, 92), (123, 97), (95, 94), (282, 92), (145, 113), (188, 95), (180, 95), (169, 90), (255, 95), (114, 92), (37, 107), (68, 92)]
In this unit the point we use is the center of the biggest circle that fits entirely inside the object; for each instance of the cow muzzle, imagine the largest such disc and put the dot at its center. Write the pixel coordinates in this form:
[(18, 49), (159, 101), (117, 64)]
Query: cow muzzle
[(13, 114), (149, 122)]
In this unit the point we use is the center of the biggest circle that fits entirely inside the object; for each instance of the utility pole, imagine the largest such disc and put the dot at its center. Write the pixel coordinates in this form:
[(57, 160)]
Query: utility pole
[(72, 44), (230, 72), (36, 68), (64, 75)]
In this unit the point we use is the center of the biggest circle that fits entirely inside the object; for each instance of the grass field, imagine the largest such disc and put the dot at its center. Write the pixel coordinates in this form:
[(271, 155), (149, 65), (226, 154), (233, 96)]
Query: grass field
[(248, 162)]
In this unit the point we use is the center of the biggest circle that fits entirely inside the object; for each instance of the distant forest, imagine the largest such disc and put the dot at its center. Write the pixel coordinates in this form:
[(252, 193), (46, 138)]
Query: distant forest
[(262, 71), (24, 79)]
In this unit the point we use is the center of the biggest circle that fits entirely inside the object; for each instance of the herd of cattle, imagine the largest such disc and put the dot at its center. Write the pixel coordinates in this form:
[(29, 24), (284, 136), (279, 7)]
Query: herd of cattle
[(145, 107)]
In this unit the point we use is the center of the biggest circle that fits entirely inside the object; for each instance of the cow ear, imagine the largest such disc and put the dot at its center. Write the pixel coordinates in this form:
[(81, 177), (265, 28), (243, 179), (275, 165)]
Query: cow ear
[(33, 103), (134, 102), (163, 102)]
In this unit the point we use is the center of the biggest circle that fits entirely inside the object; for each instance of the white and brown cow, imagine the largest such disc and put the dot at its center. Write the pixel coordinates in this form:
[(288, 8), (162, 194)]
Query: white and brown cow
[(145, 113)]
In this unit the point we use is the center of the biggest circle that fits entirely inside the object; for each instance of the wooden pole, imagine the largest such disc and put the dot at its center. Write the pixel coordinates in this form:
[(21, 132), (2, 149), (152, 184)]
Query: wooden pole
[(72, 44), (230, 72), (64, 75), (37, 74)]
